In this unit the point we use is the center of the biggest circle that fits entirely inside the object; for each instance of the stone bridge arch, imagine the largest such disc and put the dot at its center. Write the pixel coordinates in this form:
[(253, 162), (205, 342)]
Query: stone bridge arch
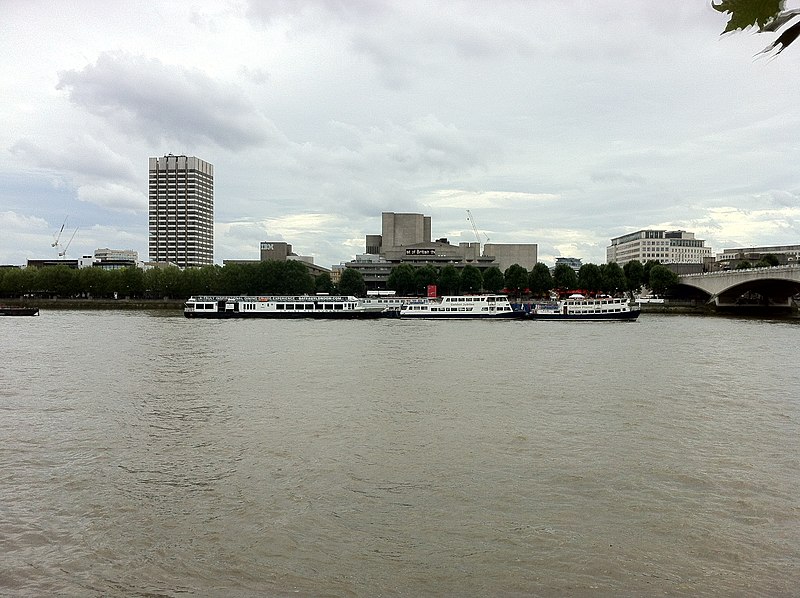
[(765, 287)]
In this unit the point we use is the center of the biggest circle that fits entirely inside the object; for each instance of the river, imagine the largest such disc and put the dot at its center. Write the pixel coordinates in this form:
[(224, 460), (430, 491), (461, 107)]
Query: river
[(144, 454)]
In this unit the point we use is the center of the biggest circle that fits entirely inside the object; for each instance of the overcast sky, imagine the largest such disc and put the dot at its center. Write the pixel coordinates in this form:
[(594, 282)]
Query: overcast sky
[(563, 123)]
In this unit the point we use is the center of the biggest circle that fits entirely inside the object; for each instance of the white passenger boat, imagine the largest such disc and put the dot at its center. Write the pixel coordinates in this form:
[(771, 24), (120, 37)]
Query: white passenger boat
[(579, 307), (461, 308), (300, 306)]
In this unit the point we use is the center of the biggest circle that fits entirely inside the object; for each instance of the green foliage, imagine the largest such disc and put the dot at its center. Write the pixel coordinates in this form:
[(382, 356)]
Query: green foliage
[(746, 13), (564, 277), (540, 280), (516, 279), (613, 278), (766, 15), (768, 261), (493, 280), (661, 279), (471, 279), (352, 283), (402, 280), (744, 265), (646, 268), (634, 275), (323, 283), (424, 276), (448, 280), (590, 278)]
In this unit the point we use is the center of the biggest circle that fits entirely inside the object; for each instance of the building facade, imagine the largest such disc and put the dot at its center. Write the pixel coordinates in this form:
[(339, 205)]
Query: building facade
[(786, 254), (181, 195), (406, 239), (665, 246)]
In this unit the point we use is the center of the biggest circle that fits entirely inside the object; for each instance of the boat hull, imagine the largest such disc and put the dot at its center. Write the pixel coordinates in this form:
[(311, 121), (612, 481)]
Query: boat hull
[(235, 315), (627, 316), (514, 315), (19, 311)]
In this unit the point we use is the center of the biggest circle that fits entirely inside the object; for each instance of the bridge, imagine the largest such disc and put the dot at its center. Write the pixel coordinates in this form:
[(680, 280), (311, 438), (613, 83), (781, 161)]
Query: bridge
[(764, 287)]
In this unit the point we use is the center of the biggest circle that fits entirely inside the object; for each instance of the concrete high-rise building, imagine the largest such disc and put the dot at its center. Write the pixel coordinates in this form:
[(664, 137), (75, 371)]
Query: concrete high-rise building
[(665, 246), (181, 211)]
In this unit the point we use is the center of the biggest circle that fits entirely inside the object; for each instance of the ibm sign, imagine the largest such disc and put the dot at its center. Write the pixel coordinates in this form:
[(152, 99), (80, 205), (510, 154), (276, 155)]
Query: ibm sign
[(267, 247), (420, 252)]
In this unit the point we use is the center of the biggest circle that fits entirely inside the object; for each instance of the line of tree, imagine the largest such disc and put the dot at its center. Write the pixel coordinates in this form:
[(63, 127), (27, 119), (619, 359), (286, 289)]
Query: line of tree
[(285, 278), (407, 280), (292, 278)]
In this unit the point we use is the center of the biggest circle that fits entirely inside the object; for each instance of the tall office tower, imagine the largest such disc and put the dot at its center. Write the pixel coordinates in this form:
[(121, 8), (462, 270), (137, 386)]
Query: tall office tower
[(181, 211)]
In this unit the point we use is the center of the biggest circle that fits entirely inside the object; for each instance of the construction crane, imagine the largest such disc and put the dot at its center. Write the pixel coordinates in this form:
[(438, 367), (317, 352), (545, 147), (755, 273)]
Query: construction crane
[(64, 252), (475, 228), (57, 237)]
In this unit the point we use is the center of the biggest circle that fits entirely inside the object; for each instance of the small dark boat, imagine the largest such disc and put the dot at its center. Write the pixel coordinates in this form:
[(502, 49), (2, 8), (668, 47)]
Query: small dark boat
[(17, 310)]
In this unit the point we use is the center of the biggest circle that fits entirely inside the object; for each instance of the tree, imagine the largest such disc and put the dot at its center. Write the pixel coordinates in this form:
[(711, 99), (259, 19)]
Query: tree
[(493, 280), (768, 261), (323, 283), (634, 275), (768, 16), (661, 279), (352, 283), (423, 277), (402, 280), (564, 277), (516, 279), (744, 265), (590, 278), (540, 280), (448, 280), (613, 278), (648, 265), (471, 280)]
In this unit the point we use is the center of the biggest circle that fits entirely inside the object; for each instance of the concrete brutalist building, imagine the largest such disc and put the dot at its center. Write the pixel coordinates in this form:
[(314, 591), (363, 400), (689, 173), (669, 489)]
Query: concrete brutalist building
[(406, 239)]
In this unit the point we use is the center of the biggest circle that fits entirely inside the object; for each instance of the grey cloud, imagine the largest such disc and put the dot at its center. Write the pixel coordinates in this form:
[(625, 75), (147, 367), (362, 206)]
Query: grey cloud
[(84, 157), (617, 176), (143, 96)]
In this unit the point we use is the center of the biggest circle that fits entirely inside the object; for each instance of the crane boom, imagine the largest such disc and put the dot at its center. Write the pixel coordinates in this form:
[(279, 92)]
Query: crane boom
[(64, 253), (57, 238), (475, 228)]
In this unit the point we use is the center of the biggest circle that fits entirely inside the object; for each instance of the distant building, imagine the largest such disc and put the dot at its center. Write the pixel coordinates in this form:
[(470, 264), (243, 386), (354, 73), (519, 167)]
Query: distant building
[(278, 251), (406, 239), (181, 198), (508, 254), (115, 259), (667, 247), (572, 262), (730, 258)]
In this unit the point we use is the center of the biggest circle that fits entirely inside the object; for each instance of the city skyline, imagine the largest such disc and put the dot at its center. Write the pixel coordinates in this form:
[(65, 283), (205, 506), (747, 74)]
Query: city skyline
[(559, 124)]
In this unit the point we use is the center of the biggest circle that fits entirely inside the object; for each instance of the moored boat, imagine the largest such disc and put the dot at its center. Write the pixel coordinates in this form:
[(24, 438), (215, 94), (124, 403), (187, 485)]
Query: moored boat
[(455, 307), (579, 307), (18, 310), (299, 306)]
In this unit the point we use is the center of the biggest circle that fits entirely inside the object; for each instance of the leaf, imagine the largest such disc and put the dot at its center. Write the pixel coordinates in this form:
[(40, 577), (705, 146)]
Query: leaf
[(746, 13), (785, 39)]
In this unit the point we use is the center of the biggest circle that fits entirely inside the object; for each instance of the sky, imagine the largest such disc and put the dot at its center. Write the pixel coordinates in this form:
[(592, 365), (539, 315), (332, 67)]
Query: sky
[(563, 123)]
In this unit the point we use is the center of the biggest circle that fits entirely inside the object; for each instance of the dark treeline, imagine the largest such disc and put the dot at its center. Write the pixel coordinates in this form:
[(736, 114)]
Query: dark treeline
[(159, 283), (406, 279), (292, 278)]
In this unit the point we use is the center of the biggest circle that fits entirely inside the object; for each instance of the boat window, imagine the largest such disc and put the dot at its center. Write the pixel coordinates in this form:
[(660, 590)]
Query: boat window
[(338, 306)]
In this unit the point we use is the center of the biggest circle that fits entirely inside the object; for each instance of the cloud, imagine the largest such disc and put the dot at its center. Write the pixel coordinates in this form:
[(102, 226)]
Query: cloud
[(83, 156), (145, 97)]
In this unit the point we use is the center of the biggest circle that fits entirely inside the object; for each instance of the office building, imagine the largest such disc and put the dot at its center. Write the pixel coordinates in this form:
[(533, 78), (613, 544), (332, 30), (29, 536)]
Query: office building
[(181, 211), (664, 246)]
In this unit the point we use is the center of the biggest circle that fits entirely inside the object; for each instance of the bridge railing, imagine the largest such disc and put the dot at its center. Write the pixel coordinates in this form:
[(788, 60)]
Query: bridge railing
[(742, 271)]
